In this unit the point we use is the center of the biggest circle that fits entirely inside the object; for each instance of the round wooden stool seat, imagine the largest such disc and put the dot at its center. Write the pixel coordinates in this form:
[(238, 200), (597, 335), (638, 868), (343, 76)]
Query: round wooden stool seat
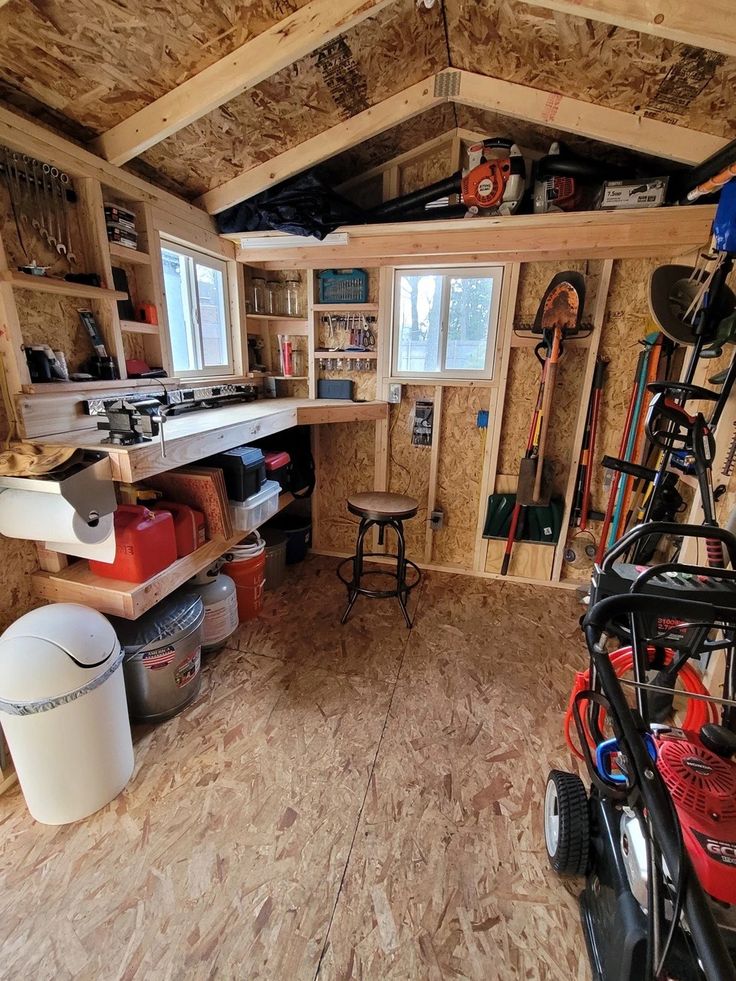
[(382, 506)]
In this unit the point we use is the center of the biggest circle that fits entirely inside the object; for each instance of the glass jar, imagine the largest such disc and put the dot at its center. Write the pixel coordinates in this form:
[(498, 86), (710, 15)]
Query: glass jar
[(274, 297), (260, 299), (291, 294)]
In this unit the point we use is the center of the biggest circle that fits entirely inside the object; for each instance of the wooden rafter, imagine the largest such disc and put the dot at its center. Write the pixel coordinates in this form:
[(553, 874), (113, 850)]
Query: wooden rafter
[(626, 129), (712, 26), (417, 98), (517, 101), (302, 32)]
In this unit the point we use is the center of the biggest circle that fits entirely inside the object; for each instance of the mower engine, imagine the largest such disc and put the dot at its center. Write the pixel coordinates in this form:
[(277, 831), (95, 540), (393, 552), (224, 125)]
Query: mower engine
[(493, 184), (701, 778)]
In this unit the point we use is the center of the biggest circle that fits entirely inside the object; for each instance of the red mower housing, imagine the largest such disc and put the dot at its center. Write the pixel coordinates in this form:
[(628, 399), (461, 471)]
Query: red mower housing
[(703, 789)]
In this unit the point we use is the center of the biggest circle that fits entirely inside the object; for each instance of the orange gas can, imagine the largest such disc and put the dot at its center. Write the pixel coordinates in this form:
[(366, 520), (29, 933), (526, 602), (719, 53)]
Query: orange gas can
[(145, 543)]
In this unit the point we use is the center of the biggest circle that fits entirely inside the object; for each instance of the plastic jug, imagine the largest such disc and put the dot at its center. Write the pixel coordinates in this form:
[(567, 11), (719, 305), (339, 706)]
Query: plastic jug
[(145, 543)]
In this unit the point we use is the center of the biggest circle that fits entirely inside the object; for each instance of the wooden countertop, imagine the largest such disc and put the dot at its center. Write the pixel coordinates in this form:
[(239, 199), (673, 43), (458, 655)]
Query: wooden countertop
[(193, 436)]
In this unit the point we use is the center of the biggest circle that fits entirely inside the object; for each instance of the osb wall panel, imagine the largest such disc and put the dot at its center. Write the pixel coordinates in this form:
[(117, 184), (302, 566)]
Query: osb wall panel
[(99, 61), (17, 561), (394, 142), (37, 247), (49, 319), (364, 382), (459, 474), (523, 383), (409, 465), (593, 61), (382, 56), (426, 169), (346, 466)]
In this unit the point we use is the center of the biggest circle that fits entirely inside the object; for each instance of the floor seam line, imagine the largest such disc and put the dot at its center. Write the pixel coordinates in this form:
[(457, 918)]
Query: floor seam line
[(365, 795)]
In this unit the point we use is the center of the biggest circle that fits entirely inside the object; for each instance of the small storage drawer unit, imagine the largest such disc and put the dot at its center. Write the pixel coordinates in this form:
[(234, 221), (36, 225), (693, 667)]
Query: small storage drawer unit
[(245, 471)]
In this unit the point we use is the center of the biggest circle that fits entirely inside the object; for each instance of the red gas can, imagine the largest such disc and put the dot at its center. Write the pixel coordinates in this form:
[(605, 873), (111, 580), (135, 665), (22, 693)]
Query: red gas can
[(145, 543), (188, 525)]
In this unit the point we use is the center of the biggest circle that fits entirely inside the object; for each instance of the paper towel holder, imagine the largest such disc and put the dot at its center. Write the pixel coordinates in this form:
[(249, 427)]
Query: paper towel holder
[(88, 488)]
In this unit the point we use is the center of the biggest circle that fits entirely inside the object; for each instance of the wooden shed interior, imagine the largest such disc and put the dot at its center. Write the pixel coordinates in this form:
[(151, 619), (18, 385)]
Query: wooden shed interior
[(357, 800)]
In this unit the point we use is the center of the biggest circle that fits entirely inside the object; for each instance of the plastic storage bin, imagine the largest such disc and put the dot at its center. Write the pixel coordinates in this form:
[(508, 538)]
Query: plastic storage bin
[(244, 469), (145, 544), (162, 656), (250, 514), (276, 542), (343, 286), (62, 707)]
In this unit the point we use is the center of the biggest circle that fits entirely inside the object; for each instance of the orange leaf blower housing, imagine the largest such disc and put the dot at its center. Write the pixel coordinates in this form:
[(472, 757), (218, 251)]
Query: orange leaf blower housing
[(494, 180)]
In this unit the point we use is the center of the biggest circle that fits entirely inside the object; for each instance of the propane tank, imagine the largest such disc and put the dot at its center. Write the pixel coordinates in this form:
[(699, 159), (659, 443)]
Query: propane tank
[(220, 601)]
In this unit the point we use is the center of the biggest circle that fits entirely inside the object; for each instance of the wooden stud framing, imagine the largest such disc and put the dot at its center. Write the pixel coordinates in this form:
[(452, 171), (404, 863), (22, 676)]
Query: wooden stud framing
[(495, 407), (344, 135), (599, 311), (434, 465), (302, 32), (713, 27)]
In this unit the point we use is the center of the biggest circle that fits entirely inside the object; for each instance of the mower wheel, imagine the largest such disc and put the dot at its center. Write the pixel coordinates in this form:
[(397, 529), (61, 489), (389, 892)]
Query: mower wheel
[(566, 823)]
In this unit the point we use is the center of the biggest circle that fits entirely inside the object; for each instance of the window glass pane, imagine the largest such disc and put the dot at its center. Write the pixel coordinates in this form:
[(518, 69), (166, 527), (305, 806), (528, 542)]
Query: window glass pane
[(211, 289), (420, 313), (179, 309), (467, 323)]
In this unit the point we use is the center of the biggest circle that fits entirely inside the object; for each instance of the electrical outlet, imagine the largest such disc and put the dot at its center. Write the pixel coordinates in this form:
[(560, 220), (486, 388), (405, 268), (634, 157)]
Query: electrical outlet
[(394, 392), (437, 519)]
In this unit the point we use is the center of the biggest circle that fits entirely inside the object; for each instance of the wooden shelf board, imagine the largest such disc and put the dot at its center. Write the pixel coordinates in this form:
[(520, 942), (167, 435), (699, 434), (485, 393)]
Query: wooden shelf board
[(47, 284), (291, 378), (65, 388), (133, 256), (350, 355), (78, 584), (275, 317), (345, 307), (138, 327)]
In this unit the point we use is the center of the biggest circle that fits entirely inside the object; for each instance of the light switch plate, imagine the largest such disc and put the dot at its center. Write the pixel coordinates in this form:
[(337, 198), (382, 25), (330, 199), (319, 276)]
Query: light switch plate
[(394, 392)]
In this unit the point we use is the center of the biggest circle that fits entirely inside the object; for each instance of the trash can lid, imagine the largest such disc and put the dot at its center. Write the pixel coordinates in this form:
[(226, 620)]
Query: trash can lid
[(54, 650), (165, 623)]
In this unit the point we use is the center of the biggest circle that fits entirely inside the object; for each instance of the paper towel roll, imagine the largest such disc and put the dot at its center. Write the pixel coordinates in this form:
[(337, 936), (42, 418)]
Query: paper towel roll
[(49, 518)]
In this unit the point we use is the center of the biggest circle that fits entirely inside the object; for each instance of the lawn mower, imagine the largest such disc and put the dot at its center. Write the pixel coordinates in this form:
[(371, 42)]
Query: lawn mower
[(655, 837)]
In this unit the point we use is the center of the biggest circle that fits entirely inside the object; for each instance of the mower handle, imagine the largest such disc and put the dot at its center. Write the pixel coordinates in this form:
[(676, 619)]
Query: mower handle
[(625, 604), (670, 528), (680, 389)]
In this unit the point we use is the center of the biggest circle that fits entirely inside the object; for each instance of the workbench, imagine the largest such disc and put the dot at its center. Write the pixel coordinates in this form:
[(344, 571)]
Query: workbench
[(187, 439)]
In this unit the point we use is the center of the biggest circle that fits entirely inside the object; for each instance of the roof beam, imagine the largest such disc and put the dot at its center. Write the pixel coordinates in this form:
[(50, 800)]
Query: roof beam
[(417, 98), (626, 129), (711, 26), (302, 32)]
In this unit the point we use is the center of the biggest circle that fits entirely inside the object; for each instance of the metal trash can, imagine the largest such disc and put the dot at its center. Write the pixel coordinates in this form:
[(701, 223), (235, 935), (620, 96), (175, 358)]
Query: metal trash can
[(62, 707), (163, 653)]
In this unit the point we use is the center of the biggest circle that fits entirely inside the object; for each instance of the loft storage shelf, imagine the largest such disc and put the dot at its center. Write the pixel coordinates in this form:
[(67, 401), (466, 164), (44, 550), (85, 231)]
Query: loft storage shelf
[(45, 284), (124, 254), (345, 307), (78, 584), (275, 316), (138, 327)]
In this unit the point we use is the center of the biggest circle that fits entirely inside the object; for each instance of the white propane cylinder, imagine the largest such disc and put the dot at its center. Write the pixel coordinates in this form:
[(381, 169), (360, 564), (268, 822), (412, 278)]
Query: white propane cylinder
[(220, 599), (63, 711)]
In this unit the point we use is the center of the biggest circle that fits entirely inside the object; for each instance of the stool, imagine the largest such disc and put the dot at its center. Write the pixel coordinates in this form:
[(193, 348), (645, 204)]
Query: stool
[(385, 511)]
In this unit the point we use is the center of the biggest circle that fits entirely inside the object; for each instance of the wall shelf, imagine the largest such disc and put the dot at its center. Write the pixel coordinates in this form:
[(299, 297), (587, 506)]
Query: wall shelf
[(291, 378), (134, 256), (345, 308), (45, 284), (138, 327), (70, 387), (274, 316), (350, 355)]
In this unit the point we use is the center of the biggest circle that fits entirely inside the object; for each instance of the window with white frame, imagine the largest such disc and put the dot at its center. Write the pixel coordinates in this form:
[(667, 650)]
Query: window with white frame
[(445, 321), (197, 309)]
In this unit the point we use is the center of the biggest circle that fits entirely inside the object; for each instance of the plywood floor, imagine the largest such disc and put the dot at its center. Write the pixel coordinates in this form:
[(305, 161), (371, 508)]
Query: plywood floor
[(339, 803)]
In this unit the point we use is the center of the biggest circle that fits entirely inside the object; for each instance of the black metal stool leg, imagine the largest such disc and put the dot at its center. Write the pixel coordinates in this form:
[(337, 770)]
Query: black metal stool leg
[(365, 525), (402, 592)]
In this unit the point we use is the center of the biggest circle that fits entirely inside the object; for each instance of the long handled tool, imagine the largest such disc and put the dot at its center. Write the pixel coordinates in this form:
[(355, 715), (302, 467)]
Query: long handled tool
[(587, 453)]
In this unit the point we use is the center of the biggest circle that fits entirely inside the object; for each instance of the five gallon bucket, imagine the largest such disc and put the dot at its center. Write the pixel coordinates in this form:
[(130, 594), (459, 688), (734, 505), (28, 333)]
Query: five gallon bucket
[(298, 531), (247, 569), (276, 542)]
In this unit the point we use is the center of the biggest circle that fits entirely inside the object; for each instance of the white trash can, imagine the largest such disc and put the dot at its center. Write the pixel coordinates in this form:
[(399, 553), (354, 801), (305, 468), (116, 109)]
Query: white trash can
[(63, 711)]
